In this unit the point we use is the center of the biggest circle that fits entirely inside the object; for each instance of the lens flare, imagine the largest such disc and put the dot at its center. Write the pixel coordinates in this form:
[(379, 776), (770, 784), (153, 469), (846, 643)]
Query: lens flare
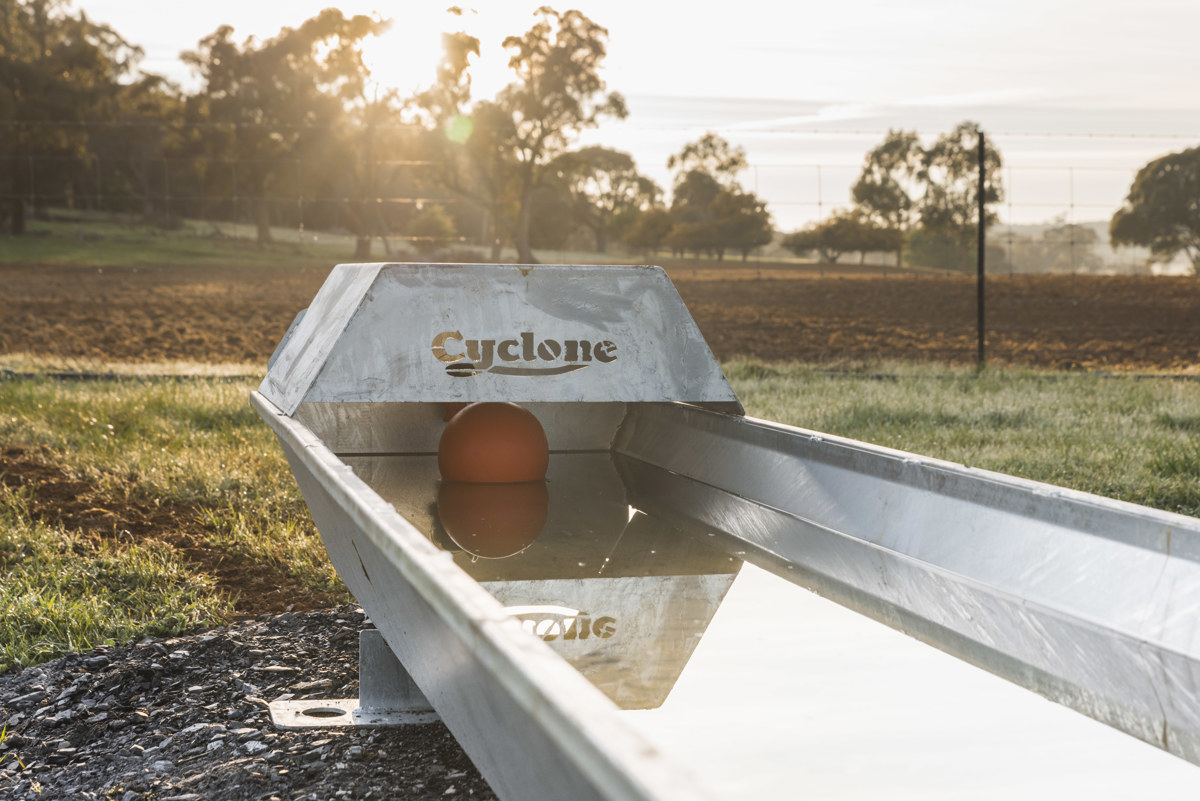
[(458, 129)]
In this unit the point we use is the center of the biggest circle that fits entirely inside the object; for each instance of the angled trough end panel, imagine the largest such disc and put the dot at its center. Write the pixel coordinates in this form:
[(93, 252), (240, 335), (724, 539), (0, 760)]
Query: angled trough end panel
[(314, 334), (1088, 601), (535, 728), (694, 362), (462, 333)]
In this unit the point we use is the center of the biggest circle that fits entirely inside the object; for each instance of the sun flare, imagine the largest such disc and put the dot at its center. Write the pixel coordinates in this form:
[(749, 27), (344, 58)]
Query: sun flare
[(406, 56)]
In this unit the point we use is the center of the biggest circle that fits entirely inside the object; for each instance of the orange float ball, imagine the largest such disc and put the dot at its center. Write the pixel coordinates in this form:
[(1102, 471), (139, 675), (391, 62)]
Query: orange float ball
[(493, 443), (493, 520)]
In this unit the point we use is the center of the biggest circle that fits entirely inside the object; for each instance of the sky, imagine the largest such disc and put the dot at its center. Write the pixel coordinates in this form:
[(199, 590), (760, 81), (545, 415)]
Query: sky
[(1077, 94)]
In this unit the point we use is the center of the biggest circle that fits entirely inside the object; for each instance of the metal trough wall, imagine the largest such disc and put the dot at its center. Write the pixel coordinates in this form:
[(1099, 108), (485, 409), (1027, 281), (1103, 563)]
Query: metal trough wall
[(1088, 601)]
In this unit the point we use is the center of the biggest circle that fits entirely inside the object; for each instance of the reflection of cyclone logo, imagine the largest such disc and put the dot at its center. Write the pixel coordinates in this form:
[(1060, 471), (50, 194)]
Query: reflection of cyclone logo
[(523, 356), (551, 622)]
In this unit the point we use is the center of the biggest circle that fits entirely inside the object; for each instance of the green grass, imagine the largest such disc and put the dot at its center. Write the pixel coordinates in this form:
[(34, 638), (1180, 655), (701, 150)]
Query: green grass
[(103, 241), (61, 594), (187, 444), (1133, 439), (196, 444)]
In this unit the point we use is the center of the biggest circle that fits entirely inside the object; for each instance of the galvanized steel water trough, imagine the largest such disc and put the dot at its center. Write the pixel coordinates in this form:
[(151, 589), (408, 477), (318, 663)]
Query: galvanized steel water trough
[(1092, 603)]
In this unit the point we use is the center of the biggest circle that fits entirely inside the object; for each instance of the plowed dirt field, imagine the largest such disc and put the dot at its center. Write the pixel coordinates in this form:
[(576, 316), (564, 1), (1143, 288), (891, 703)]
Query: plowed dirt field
[(772, 312)]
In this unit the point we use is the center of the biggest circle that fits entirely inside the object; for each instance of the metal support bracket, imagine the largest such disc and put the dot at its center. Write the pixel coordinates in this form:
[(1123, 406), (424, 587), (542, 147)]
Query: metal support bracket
[(387, 695)]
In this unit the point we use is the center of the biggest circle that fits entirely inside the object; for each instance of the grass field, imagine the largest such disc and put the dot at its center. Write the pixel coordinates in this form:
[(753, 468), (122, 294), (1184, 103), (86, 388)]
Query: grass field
[(100, 240), (133, 507), (1134, 439), (141, 506)]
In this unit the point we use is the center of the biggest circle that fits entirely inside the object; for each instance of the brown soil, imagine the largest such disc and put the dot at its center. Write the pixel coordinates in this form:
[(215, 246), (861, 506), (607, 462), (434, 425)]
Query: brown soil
[(1046, 321), (776, 312), (205, 314), (80, 506)]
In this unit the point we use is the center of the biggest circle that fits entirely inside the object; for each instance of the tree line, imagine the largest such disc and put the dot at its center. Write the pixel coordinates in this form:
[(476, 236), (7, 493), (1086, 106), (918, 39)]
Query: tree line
[(915, 199), (291, 131), (924, 202)]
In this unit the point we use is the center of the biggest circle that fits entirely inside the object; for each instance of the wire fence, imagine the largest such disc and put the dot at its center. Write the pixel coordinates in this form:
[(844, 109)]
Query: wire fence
[(1053, 217), (278, 194)]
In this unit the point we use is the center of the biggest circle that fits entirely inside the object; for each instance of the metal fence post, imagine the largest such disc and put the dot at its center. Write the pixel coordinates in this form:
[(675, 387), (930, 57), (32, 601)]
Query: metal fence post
[(981, 357)]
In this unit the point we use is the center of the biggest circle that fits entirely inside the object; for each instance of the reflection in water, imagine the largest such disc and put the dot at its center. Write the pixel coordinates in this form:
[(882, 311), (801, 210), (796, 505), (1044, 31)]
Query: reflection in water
[(620, 594), (492, 520)]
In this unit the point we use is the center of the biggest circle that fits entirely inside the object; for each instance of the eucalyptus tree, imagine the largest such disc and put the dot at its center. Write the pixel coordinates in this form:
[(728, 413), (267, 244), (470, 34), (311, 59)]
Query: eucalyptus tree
[(711, 211), (1162, 209), (848, 231), (646, 230), (889, 188), (558, 93), (950, 205), (600, 184), (270, 105), (499, 151), (57, 70), (743, 222), (711, 155), (929, 196)]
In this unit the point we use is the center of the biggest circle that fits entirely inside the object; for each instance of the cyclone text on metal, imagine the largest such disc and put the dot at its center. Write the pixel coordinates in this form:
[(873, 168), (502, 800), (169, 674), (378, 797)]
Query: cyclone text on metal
[(523, 355)]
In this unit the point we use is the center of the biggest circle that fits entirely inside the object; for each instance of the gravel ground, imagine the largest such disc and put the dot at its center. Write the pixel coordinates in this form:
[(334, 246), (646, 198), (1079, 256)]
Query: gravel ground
[(186, 718)]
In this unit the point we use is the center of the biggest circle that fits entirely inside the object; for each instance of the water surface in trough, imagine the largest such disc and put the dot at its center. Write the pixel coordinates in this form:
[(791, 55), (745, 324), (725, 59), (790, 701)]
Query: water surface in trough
[(760, 687)]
